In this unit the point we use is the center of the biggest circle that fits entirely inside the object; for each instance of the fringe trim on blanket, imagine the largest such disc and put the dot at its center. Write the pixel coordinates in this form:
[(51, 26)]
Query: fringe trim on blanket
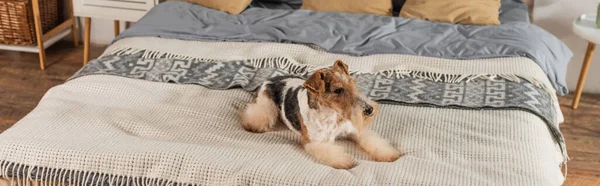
[(24, 175), (300, 69)]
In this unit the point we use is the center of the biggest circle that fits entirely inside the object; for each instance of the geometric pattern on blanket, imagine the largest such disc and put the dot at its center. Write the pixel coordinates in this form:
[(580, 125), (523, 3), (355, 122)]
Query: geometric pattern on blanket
[(472, 93)]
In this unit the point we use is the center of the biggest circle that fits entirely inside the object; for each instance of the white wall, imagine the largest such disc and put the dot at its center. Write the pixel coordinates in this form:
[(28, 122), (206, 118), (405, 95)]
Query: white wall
[(556, 16)]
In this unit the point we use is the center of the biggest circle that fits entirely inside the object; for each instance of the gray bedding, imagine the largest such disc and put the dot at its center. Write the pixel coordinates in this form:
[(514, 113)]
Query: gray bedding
[(362, 34), (513, 11)]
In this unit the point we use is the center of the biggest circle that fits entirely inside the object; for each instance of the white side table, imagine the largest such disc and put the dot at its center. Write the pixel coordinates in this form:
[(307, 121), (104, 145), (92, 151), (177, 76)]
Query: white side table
[(118, 10), (585, 27)]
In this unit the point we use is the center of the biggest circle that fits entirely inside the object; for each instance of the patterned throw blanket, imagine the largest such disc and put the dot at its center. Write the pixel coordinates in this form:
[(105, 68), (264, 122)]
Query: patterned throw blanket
[(391, 87)]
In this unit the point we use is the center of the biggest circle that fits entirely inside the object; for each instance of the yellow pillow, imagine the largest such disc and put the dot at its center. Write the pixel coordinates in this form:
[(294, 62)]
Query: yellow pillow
[(229, 6), (381, 7), (469, 12)]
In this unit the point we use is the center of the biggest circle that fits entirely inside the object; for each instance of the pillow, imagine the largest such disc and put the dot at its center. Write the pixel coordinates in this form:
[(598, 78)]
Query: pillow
[(229, 6), (381, 7), (469, 12)]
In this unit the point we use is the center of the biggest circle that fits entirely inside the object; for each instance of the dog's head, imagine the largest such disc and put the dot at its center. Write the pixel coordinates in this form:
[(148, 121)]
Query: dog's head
[(334, 88)]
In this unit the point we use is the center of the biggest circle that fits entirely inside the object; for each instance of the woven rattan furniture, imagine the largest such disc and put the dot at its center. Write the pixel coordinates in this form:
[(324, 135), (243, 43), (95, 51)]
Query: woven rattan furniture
[(34, 25)]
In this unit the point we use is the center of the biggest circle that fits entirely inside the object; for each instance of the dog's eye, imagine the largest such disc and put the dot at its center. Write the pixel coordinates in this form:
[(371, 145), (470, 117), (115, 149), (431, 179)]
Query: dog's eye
[(338, 91)]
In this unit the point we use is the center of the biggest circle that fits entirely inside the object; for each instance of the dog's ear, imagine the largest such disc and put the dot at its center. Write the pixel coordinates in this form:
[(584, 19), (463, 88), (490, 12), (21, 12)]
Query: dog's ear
[(341, 66), (316, 83)]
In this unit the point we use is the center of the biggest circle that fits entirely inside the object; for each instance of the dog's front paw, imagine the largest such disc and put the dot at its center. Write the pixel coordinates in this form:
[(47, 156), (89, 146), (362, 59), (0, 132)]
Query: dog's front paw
[(378, 148), (387, 154), (330, 154), (343, 162)]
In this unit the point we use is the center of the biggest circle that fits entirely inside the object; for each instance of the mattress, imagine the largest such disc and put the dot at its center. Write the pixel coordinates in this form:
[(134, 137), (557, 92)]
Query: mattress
[(159, 108)]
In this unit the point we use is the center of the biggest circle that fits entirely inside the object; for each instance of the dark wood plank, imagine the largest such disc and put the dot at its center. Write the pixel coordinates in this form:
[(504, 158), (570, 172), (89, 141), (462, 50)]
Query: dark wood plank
[(582, 134), (581, 177), (22, 85)]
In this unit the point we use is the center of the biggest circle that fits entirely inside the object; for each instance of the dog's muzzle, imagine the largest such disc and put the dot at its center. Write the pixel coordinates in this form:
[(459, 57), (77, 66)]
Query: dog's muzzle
[(367, 109)]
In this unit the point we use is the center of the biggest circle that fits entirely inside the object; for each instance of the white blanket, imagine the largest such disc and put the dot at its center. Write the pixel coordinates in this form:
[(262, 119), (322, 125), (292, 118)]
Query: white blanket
[(107, 129)]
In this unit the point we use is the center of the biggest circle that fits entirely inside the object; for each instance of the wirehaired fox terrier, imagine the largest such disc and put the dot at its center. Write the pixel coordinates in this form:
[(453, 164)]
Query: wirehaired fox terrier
[(321, 109)]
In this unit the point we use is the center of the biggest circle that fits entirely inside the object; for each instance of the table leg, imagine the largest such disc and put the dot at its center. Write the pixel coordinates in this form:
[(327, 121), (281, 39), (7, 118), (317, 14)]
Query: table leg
[(74, 31), (127, 24), (117, 28), (86, 40), (38, 33), (583, 74)]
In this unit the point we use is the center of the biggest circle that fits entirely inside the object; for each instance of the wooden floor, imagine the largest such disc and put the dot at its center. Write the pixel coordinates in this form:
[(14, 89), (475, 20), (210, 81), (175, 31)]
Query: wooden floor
[(22, 85)]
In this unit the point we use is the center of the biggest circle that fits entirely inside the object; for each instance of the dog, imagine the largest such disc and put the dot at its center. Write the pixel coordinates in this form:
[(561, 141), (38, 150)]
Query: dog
[(325, 107)]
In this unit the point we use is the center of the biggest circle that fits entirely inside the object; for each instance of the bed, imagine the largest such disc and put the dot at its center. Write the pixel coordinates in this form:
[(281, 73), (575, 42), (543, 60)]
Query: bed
[(466, 105)]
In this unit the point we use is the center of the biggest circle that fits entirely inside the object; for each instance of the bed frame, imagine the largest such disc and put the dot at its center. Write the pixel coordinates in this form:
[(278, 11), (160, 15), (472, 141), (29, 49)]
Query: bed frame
[(5, 182)]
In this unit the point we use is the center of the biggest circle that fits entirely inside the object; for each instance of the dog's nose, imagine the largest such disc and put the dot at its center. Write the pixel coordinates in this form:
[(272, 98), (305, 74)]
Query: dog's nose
[(368, 111)]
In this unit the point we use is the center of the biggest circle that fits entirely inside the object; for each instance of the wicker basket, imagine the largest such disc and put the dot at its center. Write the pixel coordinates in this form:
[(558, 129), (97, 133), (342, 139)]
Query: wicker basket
[(17, 26)]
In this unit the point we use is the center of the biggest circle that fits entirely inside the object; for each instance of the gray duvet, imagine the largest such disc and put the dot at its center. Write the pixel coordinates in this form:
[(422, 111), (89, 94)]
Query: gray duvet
[(362, 34)]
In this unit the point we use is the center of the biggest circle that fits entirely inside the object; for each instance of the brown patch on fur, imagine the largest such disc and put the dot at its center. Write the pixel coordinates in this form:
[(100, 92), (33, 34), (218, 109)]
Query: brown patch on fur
[(341, 67), (267, 95), (312, 102), (303, 131), (315, 84), (333, 88)]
